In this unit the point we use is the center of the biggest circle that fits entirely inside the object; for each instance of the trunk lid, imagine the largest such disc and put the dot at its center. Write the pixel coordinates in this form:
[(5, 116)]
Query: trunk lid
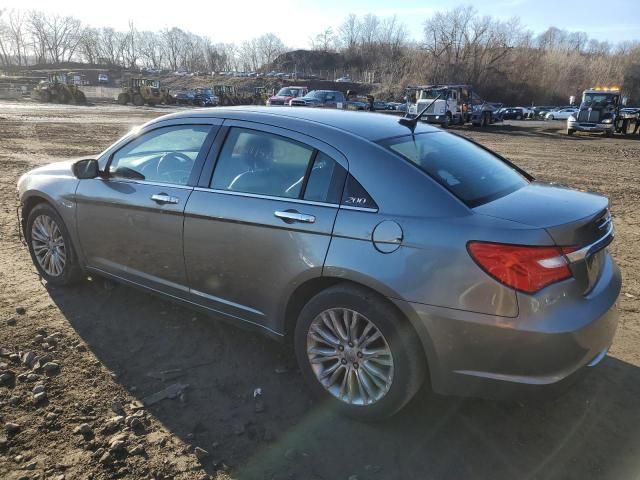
[(573, 218)]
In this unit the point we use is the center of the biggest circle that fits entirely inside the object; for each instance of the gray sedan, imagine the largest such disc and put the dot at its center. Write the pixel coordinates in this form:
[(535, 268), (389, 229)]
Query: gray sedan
[(386, 252)]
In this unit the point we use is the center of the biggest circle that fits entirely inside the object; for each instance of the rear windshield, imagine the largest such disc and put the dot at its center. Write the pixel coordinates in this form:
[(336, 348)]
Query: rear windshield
[(471, 173)]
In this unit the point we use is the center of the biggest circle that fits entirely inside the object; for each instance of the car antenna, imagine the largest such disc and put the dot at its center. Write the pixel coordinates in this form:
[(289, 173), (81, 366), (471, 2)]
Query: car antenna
[(412, 122)]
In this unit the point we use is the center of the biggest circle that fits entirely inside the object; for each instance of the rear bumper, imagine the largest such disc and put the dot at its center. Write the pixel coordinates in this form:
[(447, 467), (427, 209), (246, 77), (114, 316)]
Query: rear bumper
[(543, 349)]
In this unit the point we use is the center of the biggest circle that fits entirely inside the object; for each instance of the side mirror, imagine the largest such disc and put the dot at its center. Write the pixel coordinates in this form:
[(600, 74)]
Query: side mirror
[(84, 169)]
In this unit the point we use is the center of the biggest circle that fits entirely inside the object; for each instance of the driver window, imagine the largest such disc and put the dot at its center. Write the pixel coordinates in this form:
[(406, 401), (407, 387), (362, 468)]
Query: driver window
[(165, 155)]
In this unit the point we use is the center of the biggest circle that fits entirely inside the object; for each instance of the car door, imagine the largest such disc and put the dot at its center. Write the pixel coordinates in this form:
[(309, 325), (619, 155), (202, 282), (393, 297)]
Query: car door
[(262, 223), (130, 219)]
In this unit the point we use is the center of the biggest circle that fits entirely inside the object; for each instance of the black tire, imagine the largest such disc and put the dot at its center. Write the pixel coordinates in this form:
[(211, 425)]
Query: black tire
[(123, 98), (71, 272), (518, 117), (80, 99), (570, 131), (409, 364), (550, 117), (447, 120), (138, 101)]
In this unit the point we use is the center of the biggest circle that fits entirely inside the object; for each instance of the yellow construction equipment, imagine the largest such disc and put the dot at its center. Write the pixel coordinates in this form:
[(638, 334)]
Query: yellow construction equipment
[(144, 90), (56, 89)]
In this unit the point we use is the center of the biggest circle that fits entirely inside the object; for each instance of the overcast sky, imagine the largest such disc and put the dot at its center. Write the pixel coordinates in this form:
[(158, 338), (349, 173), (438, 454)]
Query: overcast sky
[(294, 21)]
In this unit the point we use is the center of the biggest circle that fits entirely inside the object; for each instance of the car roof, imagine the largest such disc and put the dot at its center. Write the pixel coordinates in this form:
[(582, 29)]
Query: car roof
[(371, 126)]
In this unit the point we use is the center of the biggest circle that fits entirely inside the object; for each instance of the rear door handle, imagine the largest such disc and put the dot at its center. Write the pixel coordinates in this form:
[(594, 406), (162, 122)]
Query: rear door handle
[(292, 216), (164, 198)]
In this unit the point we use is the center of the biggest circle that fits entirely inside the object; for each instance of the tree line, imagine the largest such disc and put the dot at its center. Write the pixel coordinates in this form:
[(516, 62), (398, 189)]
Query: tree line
[(502, 59), (36, 38)]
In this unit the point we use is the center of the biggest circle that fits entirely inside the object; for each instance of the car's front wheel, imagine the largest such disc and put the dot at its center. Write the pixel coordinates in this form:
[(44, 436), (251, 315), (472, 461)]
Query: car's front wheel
[(358, 353), (50, 246)]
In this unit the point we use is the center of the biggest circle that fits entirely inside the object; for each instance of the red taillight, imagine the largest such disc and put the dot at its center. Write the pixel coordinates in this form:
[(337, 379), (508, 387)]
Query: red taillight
[(524, 268)]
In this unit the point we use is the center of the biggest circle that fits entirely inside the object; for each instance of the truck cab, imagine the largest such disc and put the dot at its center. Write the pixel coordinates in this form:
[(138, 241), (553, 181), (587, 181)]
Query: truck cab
[(599, 112), (453, 104), (447, 104)]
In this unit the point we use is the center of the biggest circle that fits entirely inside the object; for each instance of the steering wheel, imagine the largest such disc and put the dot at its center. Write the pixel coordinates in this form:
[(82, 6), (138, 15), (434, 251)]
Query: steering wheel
[(174, 167)]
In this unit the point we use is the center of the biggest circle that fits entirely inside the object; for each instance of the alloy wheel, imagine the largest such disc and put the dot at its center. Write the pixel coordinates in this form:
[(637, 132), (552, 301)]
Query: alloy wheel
[(48, 245), (350, 356)]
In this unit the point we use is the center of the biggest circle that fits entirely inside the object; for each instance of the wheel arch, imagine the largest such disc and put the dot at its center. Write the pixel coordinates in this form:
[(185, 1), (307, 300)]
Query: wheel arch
[(31, 199), (28, 203)]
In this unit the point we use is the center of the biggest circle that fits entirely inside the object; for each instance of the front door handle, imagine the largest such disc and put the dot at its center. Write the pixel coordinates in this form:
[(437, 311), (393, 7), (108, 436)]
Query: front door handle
[(164, 198), (292, 216)]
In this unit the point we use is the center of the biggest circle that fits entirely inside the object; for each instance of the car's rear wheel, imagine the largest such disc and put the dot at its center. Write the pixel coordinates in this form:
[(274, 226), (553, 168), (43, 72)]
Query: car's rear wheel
[(358, 353), (50, 246)]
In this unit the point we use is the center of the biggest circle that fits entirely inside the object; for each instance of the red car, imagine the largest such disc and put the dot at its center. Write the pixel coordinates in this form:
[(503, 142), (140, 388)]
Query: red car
[(286, 94)]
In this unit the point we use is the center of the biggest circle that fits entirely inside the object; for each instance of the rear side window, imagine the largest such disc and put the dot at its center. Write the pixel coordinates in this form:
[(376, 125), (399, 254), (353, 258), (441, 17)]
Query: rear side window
[(471, 173), (326, 180), (261, 163)]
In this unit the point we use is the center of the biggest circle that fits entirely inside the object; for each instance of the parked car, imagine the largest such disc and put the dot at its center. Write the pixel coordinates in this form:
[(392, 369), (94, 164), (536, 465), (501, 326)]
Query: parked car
[(400, 107), (512, 113), (320, 98), (561, 114), (291, 222), (542, 110), (205, 97), (344, 79), (358, 102), (184, 97), (286, 94), (380, 105)]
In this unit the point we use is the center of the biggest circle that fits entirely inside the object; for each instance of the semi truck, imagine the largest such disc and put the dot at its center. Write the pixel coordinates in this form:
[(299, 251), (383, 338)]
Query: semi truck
[(450, 104), (600, 112)]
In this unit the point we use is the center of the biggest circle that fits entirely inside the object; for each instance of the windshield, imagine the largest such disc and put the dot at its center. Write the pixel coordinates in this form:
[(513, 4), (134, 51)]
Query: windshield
[(289, 92), (430, 94), (471, 173), (598, 99), (317, 94)]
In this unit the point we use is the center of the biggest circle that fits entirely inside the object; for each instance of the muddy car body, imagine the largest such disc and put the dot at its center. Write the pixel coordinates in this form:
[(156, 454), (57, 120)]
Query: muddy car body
[(384, 250)]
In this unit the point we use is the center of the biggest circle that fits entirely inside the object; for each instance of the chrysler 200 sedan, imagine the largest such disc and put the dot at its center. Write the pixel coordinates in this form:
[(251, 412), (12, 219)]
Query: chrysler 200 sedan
[(388, 253)]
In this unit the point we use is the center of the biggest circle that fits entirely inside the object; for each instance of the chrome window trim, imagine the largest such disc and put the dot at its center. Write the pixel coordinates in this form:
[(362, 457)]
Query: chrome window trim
[(283, 199), (265, 197), (359, 209), (146, 182), (599, 244)]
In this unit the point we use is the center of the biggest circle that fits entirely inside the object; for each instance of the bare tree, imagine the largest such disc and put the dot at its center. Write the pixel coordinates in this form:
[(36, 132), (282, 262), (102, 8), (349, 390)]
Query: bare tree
[(349, 32), (324, 41), (268, 47)]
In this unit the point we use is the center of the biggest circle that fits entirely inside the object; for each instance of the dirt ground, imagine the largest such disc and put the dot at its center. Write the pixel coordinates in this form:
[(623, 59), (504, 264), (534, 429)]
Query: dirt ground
[(116, 346)]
